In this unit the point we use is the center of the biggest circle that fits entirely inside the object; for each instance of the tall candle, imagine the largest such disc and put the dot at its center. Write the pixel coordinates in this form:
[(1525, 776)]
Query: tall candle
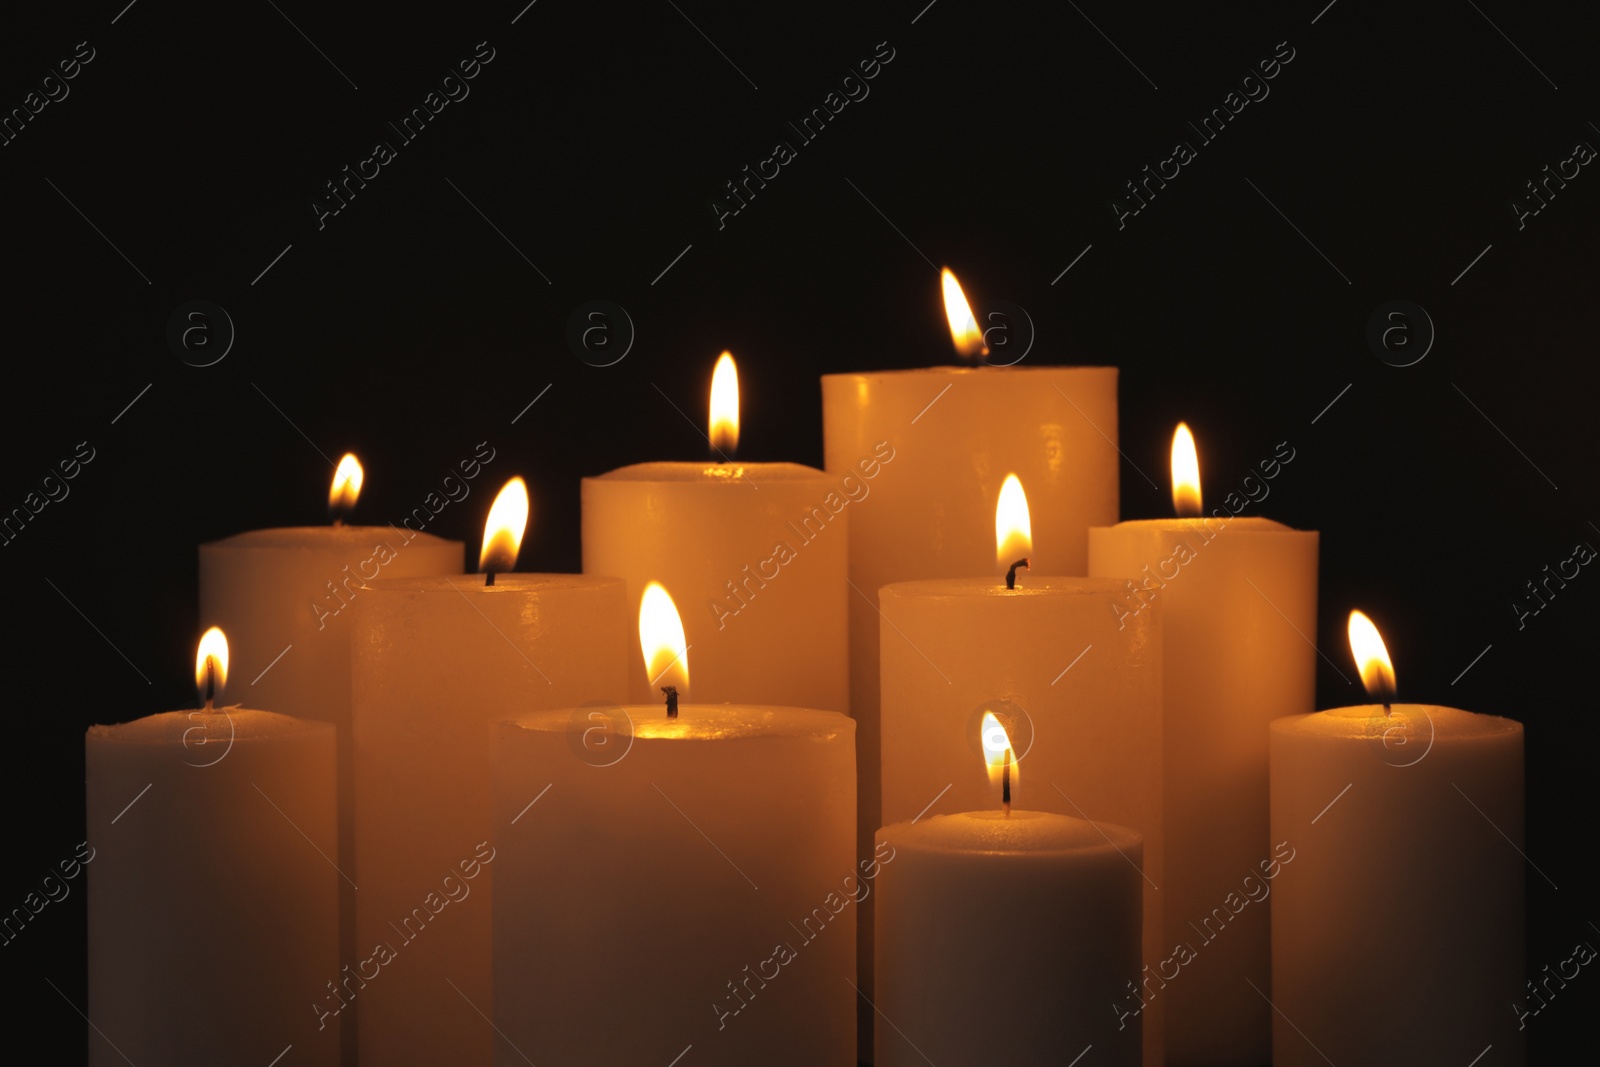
[(1079, 694), (1002, 936), (437, 662), (282, 596), (1406, 824), (213, 899), (1238, 603), (692, 864), (754, 552), (935, 444)]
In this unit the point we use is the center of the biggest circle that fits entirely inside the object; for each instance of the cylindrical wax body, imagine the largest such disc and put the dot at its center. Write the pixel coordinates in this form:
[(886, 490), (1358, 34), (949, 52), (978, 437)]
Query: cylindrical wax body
[(753, 555), (1238, 604), (677, 882), (1003, 939), (1078, 692), (927, 451), (213, 897), (282, 597), (1397, 928), (439, 661)]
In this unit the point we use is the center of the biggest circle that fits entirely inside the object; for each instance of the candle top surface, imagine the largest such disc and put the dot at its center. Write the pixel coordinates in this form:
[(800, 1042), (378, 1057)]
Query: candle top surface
[(1366, 722), (993, 372), (1020, 832), (697, 722), (176, 727), (1028, 585), (506, 583), (1242, 523), (711, 473), (323, 537)]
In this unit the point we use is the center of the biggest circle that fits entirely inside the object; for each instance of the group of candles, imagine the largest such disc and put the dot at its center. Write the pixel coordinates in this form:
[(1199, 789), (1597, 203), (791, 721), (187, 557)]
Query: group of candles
[(1015, 816)]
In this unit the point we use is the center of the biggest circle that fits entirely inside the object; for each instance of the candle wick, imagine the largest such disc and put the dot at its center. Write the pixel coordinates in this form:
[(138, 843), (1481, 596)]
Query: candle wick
[(488, 580), (1385, 709), (337, 522), (1011, 575), (211, 681), (1005, 784), (672, 700)]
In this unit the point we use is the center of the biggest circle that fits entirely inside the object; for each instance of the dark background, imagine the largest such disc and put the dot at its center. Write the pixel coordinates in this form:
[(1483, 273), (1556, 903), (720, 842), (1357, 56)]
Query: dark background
[(408, 329)]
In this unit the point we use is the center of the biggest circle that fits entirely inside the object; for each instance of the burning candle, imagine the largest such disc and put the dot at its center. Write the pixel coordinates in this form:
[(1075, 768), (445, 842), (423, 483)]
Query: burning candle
[(755, 551), (1237, 597), (213, 896), (437, 662), (282, 595), (692, 862), (1079, 693), (936, 443), (1405, 823), (1034, 913)]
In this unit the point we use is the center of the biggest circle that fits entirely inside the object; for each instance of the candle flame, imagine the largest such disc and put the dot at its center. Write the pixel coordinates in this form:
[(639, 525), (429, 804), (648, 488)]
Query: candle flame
[(1013, 529), (345, 489), (214, 647), (964, 332), (1185, 474), (997, 751), (725, 405), (666, 651), (503, 529), (1372, 658)]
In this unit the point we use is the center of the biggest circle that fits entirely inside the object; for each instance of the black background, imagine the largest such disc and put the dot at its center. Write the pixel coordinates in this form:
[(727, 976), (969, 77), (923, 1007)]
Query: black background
[(408, 329)]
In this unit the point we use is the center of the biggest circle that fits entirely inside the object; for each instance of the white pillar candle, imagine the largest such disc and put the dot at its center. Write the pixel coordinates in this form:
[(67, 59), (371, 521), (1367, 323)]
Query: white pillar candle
[(1406, 824), (437, 662), (213, 900), (932, 446), (282, 597), (1238, 603), (1079, 694), (755, 554), (677, 882), (936, 444), (1003, 935)]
